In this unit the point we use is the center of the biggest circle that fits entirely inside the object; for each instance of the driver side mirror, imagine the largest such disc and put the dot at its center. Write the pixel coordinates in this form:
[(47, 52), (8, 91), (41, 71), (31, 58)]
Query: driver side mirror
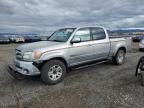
[(76, 40)]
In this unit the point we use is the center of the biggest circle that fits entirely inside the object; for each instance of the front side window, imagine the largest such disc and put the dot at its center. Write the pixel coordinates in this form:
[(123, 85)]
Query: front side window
[(61, 35), (98, 33), (83, 34)]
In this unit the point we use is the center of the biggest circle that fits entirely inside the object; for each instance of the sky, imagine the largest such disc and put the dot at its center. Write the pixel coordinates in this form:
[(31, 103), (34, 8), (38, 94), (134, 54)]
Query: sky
[(26, 16)]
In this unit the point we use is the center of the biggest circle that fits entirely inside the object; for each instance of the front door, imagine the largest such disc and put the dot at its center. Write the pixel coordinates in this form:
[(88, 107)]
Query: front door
[(81, 52)]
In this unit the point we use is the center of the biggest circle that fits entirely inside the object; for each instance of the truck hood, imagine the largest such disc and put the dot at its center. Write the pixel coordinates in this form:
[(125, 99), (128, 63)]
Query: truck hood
[(39, 45)]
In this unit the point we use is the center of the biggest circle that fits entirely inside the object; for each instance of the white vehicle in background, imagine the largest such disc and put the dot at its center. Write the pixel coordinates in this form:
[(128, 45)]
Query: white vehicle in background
[(19, 39), (141, 45)]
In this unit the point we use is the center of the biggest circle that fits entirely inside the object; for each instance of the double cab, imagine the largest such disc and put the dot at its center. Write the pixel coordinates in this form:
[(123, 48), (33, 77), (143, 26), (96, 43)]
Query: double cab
[(67, 48)]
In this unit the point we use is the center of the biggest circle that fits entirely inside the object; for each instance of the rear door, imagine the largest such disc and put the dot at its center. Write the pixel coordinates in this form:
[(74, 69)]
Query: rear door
[(101, 44)]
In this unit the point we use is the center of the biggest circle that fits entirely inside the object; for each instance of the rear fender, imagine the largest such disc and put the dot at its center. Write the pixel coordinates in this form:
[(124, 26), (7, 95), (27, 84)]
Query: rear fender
[(119, 46)]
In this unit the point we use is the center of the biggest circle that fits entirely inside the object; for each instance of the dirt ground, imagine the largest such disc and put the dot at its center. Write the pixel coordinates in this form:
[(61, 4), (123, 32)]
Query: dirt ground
[(102, 86)]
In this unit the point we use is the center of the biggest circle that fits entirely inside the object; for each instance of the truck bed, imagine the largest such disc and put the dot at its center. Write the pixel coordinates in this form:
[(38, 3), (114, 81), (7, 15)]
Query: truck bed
[(127, 38)]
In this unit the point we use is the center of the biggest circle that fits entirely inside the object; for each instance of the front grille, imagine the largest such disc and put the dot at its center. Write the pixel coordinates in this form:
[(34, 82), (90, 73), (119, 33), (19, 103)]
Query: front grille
[(19, 54)]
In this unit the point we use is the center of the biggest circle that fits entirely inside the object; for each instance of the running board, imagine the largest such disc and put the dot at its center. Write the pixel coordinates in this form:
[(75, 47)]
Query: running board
[(88, 64)]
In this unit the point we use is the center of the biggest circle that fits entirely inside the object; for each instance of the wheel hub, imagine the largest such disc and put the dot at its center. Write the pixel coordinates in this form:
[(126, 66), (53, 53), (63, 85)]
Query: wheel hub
[(121, 57), (55, 72)]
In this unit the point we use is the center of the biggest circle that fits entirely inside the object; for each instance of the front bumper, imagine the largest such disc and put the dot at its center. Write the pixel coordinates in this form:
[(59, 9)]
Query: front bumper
[(24, 68)]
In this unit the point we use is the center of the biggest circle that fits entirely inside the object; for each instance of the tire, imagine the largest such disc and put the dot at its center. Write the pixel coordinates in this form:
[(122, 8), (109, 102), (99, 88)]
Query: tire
[(50, 75), (141, 49), (140, 70), (142, 79), (119, 57)]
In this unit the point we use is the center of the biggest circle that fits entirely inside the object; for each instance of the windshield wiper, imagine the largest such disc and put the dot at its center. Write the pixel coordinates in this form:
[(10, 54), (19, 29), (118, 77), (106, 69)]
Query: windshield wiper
[(56, 40)]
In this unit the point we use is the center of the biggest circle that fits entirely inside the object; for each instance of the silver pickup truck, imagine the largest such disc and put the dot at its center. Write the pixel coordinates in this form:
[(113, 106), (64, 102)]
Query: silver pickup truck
[(67, 48)]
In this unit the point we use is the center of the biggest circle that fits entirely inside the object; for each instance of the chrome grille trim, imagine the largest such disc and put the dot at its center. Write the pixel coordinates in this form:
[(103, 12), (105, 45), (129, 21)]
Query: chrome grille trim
[(19, 54)]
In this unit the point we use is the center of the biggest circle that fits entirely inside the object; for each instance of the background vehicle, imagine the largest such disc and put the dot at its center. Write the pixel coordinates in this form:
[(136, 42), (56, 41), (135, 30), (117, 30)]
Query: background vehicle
[(140, 70), (19, 39), (68, 48), (137, 38), (12, 38), (141, 45), (44, 38), (31, 38), (4, 39)]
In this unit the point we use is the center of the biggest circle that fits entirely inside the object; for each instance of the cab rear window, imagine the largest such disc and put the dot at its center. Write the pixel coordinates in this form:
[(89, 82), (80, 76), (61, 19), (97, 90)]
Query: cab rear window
[(98, 33)]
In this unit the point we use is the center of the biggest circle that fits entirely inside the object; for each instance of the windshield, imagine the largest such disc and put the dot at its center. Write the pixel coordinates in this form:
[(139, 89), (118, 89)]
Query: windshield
[(61, 35)]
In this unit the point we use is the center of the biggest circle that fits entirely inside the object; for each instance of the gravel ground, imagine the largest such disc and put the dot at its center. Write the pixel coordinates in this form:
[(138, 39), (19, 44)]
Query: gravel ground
[(101, 86)]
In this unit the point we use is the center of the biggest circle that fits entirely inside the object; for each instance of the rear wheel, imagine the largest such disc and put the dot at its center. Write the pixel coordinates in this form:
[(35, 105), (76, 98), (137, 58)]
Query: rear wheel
[(53, 72), (119, 57)]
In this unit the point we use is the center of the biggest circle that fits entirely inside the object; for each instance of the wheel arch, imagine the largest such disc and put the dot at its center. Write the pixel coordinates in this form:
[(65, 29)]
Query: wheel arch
[(55, 58), (122, 48)]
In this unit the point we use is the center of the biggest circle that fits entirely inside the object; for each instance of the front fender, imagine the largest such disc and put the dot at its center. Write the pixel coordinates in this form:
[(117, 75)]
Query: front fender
[(55, 54)]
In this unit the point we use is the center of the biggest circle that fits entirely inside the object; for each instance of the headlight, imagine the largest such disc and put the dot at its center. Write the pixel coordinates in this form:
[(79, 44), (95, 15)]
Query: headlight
[(28, 56), (32, 55), (37, 54)]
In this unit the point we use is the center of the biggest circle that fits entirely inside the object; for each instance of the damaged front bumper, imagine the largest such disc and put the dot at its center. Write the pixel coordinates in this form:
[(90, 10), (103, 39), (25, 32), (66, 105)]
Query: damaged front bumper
[(24, 68)]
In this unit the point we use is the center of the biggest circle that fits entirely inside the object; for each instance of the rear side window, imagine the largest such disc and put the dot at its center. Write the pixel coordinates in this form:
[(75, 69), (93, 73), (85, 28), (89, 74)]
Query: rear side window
[(98, 33), (84, 34)]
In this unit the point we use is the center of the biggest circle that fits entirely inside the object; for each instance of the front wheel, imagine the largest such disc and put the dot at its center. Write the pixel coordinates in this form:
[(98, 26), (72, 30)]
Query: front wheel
[(53, 72), (119, 57)]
